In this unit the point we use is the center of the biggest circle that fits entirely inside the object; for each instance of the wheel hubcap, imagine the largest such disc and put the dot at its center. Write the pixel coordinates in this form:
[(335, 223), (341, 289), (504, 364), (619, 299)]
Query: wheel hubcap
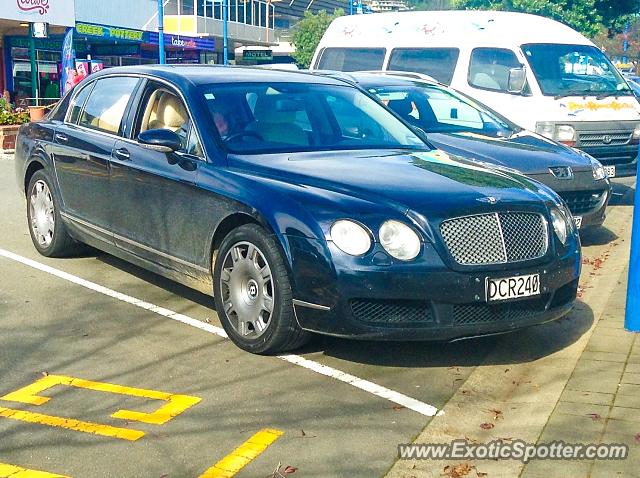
[(42, 214), (247, 289)]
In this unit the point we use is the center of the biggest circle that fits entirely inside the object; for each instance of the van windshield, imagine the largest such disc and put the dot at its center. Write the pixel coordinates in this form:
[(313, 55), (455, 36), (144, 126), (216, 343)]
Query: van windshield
[(574, 70), (437, 110)]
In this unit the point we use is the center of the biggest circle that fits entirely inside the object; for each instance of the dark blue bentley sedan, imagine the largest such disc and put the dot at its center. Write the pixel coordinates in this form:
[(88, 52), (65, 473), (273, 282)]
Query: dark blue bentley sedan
[(299, 202)]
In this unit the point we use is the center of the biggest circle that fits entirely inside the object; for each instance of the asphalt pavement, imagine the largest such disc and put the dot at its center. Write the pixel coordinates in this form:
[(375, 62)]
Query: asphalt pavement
[(141, 384)]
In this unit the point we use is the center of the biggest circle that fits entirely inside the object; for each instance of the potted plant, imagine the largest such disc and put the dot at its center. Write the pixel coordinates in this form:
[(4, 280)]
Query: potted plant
[(10, 120)]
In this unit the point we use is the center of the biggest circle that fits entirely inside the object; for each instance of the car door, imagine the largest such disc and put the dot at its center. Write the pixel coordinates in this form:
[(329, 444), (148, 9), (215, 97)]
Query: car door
[(156, 212), (82, 151)]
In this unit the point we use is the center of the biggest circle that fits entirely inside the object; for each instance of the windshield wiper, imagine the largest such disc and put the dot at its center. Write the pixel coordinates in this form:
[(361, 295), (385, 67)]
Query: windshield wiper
[(582, 93), (616, 93)]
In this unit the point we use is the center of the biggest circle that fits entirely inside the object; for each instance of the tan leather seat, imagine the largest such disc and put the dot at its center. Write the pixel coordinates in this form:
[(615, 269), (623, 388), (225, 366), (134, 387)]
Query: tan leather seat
[(169, 114), (276, 123)]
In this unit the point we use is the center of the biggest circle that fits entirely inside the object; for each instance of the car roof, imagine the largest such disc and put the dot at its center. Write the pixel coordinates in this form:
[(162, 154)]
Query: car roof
[(212, 74)]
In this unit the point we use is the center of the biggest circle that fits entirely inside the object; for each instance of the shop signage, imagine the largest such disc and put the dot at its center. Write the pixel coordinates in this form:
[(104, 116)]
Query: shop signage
[(257, 55), (55, 12), (181, 41), (116, 33)]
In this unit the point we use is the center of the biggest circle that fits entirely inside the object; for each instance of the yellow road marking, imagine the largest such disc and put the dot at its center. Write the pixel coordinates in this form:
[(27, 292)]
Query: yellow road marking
[(71, 424), (13, 471), (175, 406), (243, 455)]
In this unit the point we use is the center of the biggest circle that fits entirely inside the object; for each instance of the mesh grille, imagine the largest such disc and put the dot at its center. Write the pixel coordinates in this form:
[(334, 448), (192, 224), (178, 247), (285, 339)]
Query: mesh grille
[(482, 313), (474, 239), (391, 311), (580, 202), (525, 236), (495, 238)]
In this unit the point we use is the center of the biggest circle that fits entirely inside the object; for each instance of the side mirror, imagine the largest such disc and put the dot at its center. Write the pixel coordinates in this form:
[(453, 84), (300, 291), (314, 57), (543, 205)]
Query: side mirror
[(161, 140), (517, 80)]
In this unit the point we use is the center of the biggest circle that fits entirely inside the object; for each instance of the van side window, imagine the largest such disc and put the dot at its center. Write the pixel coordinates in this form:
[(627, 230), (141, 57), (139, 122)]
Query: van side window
[(439, 63), (489, 68), (351, 59)]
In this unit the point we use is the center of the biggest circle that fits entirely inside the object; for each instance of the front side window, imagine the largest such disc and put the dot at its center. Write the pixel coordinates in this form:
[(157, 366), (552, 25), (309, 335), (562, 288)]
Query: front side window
[(563, 70), (437, 110), (162, 108), (489, 68), (439, 63), (257, 118), (107, 102), (351, 59)]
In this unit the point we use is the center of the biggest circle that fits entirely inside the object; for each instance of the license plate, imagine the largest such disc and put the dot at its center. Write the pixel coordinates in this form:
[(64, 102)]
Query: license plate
[(513, 287), (610, 171), (578, 221)]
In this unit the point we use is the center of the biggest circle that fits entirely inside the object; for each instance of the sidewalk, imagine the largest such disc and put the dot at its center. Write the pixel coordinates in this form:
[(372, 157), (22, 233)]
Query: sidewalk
[(601, 400), (577, 381)]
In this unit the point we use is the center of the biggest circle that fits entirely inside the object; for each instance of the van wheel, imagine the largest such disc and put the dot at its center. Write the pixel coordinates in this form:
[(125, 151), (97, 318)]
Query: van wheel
[(48, 234), (253, 293)]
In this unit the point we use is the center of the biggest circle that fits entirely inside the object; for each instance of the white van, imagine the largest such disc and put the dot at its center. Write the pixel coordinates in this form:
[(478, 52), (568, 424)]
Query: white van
[(537, 72)]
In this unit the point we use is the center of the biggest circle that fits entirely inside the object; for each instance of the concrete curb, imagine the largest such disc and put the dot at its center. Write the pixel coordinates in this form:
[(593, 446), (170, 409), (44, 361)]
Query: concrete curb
[(525, 391)]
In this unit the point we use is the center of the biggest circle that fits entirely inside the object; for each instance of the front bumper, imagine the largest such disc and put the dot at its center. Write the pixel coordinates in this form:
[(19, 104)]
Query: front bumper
[(428, 302), (585, 197)]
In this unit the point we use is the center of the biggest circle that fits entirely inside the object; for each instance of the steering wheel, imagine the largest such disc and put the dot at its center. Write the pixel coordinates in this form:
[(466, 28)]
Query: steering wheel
[(241, 134)]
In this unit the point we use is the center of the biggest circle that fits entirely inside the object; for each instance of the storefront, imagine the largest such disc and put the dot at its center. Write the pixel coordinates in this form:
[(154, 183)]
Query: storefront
[(110, 46), (15, 67)]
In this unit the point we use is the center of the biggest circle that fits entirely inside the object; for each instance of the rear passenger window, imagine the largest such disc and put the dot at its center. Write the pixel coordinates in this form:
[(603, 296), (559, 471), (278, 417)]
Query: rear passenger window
[(351, 59), (78, 103), (489, 68), (107, 102), (439, 63)]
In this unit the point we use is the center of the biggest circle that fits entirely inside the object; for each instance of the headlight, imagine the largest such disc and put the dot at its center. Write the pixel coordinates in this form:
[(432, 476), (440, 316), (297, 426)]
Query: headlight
[(350, 237), (399, 240), (597, 169), (559, 223), (636, 132), (596, 166), (546, 129), (563, 133)]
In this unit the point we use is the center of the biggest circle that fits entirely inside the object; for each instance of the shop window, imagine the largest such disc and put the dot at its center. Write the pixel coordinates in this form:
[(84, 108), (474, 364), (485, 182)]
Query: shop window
[(107, 102)]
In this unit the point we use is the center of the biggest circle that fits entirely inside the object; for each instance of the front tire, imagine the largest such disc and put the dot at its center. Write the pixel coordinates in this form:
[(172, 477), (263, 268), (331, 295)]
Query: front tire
[(253, 294), (48, 233)]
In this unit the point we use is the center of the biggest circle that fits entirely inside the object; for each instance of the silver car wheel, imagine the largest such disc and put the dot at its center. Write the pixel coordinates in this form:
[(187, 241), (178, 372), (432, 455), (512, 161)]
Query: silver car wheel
[(247, 289), (41, 210)]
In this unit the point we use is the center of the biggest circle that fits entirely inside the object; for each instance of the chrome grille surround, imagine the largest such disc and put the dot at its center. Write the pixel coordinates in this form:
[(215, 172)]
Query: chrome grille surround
[(604, 138), (496, 238)]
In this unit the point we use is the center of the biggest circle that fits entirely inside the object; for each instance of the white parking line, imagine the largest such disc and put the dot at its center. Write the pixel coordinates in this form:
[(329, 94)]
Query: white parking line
[(359, 383)]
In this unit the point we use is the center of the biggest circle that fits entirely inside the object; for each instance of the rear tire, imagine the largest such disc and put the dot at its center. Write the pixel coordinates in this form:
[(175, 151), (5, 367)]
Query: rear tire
[(48, 233), (253, 294)]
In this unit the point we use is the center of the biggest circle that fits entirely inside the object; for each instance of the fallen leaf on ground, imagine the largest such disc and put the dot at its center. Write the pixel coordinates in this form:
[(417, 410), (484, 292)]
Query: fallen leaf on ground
[(457, 471), (289, 469), (487, 426), (637, 437), (496, 413), (594, 416)]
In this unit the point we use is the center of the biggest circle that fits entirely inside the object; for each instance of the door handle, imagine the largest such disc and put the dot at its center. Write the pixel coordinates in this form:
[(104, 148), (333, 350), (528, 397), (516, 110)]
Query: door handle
[(122, 153), (61, 138)]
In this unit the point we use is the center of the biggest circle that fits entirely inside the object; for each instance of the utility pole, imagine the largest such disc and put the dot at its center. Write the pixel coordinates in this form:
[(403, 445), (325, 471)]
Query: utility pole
[(34, 65), (225, 33), (161, 55)]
